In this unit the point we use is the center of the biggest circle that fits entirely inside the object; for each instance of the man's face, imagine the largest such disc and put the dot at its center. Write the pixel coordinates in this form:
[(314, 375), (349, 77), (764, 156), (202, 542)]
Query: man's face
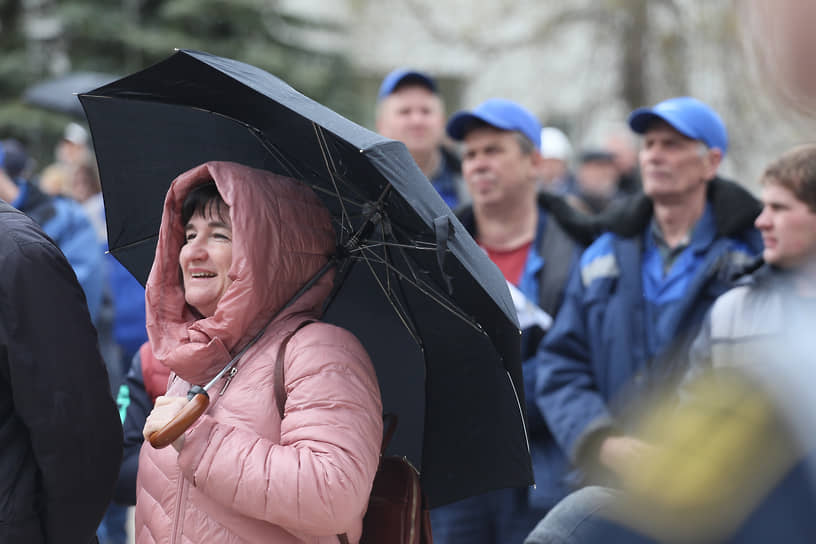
[(598, 178), (551, 169), (674, 166), (413, 115), (788, 228), (495, 169)]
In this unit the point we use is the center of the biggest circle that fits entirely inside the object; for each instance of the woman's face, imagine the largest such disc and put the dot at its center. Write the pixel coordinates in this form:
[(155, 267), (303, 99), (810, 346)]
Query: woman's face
[(205, 260)]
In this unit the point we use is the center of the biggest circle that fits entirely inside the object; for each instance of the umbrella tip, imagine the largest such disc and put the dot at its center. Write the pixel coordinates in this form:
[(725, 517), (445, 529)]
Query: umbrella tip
[(176, 49)]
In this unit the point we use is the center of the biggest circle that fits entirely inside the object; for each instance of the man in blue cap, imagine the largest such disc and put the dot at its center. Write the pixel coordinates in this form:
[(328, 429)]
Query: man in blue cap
[(410, 109), (636, 301), (525, 234)]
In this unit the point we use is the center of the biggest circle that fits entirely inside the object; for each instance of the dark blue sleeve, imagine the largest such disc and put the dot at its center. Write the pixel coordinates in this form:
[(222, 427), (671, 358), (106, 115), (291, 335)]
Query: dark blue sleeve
[(565, 389), (134, 406)]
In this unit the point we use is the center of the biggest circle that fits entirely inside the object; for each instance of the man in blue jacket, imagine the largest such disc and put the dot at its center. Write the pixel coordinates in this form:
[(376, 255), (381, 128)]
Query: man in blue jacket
[(640, 292)]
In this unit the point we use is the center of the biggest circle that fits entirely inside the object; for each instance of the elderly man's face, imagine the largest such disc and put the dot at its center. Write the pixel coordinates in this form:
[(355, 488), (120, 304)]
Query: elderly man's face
[(673, 166), (413, 115)]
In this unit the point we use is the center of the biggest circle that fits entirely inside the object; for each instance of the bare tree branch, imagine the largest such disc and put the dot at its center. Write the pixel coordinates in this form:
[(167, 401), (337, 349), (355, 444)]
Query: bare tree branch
[(598, 14)]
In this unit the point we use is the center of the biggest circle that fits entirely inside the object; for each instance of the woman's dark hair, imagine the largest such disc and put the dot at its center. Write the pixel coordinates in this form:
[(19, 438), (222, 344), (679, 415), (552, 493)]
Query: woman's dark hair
[(205, 200)]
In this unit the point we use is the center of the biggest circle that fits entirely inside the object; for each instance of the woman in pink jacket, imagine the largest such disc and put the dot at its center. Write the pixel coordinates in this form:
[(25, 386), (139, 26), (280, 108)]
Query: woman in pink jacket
[(235, 245)]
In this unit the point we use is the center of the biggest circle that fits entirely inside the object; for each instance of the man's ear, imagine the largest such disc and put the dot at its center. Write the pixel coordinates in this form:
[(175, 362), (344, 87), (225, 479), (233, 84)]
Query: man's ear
[(8, 189), (713, 160), (536, 158)]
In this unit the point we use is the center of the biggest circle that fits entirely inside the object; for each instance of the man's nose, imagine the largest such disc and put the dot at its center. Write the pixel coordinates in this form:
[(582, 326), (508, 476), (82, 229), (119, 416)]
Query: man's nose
[(651, 154), (762, 221)]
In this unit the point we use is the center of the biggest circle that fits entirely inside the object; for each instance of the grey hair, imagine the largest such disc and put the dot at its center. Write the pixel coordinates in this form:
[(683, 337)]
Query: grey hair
[(526, 144)]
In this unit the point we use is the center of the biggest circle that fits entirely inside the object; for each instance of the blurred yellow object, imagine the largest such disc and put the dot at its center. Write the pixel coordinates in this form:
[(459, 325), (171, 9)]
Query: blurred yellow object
[(716, 455)]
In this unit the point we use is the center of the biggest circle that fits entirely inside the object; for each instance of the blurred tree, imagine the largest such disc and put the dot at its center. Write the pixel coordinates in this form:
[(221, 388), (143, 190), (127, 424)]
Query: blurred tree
[(125, 36), (648, 50), (136, 33)]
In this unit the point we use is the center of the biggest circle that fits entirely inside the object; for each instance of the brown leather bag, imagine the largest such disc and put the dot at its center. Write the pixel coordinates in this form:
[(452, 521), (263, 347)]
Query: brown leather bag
[(397, 512)]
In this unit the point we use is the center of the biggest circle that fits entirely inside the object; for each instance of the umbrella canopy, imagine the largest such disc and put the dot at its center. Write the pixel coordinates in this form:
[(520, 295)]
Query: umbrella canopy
[(426, 302), (60, 94)]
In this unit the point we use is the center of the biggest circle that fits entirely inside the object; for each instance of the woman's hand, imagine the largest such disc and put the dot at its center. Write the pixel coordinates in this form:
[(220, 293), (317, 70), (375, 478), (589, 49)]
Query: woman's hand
[(165, 409)]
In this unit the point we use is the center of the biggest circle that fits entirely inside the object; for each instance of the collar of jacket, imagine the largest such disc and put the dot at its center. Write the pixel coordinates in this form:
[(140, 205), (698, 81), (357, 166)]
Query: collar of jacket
[(582, 228), (35, 203), (735, 210)]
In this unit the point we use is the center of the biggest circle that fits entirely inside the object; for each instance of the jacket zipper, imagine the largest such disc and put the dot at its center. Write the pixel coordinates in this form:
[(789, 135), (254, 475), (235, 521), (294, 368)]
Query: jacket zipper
[(182, 491), (232, 373)]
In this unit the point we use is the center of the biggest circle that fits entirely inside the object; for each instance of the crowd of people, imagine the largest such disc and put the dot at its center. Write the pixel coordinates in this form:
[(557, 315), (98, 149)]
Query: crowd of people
[(665, 288)]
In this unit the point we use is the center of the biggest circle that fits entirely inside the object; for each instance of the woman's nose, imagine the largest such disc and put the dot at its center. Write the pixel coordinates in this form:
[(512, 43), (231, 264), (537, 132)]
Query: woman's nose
[(196, 249)]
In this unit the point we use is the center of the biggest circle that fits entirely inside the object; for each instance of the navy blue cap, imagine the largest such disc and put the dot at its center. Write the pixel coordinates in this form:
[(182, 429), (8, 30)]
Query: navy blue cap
[(13, 158), (404, 75), (687, 116), (500, 113)]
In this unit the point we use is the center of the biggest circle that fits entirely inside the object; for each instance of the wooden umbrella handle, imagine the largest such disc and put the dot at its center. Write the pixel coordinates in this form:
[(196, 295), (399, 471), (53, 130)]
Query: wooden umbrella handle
[(176, 426)]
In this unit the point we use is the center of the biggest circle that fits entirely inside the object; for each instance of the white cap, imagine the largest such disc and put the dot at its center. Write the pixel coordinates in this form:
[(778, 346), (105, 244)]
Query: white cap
[(555, 144), (75, 134)]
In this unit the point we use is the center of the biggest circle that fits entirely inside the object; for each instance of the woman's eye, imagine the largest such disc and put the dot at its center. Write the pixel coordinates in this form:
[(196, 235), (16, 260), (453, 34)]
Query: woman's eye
[(220, 236), (189, 236)]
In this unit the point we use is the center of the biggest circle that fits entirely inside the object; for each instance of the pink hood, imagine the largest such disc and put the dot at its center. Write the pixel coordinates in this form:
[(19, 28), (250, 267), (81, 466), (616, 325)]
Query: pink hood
[(282, 235)]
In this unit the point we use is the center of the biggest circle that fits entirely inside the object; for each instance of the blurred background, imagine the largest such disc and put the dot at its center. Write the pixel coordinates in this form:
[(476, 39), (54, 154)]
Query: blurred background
[(581, 66)]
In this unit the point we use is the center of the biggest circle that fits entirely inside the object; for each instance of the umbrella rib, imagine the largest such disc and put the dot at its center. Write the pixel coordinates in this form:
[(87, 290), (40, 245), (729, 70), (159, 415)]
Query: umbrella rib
[(321, 141), (288, 165), (425, 289), (398, 297), (386, 227), (397, 310), (418, 246), (521, 410), (134, 243), (323, 190)]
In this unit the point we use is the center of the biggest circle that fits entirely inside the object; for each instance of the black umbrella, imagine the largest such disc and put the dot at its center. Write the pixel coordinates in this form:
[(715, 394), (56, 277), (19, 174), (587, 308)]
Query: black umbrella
[(60, 93), (432, 310)]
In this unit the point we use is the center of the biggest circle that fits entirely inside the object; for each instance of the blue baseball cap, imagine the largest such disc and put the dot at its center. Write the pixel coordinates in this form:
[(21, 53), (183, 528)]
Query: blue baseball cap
[(500, 113), (404, 75), (687, 116)]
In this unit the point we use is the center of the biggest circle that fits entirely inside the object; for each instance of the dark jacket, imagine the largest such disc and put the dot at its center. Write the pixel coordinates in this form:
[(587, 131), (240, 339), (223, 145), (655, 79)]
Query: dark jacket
[(559, 239), (145, 381), (447, 180), (597, 349), (60, 438), (67, 224)]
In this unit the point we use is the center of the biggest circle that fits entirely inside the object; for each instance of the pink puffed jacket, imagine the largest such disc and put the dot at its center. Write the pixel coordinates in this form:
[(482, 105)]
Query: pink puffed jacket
[(244, 475)]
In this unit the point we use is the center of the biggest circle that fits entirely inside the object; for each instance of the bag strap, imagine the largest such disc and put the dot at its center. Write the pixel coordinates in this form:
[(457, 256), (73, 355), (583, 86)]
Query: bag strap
[(280, 387), (280, 399)]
